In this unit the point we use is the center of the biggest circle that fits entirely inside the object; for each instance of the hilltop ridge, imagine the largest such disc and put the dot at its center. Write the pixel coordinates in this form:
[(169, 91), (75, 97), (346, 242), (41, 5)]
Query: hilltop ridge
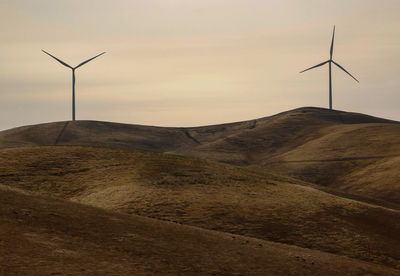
[(153, 138), (352, 152)]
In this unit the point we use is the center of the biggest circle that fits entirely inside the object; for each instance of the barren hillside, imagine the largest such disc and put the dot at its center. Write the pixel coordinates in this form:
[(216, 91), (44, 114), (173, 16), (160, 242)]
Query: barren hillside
[(209, 195), (355, 153), (44, 236), (362, 159)]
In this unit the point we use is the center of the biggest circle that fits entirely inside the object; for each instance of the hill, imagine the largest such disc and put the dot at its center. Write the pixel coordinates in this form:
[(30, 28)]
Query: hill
[(209, 195), (36, 240), (285, 127), (362, 159), (94, 133), (353, 152)]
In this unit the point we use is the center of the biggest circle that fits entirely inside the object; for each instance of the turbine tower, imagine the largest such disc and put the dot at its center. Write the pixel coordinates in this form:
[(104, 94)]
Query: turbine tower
[(73, 76), (330, 61)]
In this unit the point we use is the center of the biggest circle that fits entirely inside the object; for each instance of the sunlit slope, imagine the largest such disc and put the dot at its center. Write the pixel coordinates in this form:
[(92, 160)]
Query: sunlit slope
[(363, 159), (270, 136), (209, 195), (352, 152)]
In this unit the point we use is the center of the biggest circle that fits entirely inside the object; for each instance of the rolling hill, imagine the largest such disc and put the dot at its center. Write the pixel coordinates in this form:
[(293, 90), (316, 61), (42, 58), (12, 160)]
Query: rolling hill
[(362, 159), (207, 194), (351, 152), (45, 236)]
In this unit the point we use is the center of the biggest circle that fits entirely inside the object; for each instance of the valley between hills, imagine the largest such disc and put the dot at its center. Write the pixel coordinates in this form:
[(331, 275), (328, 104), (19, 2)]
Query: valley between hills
[(309, 191)]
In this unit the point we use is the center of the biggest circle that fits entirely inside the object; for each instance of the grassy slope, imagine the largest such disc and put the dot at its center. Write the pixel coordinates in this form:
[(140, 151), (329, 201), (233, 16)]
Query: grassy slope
[(272, 136), (348, 151), (362, 159), (209, 195), (95, 133), (351, 152), (44, 236)]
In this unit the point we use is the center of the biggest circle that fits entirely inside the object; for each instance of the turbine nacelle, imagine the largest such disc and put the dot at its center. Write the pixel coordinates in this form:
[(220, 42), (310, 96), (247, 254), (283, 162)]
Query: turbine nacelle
[(330, 61)]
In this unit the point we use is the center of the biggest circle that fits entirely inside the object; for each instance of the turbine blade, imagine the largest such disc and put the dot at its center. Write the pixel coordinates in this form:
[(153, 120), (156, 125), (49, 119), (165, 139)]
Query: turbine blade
[(86, 61), (59, 60), (318, 65), (333, 39), (345, 70)]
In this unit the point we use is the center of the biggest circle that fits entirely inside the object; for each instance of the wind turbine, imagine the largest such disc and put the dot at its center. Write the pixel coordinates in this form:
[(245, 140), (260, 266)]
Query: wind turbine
[(330, 61), (73, 76)]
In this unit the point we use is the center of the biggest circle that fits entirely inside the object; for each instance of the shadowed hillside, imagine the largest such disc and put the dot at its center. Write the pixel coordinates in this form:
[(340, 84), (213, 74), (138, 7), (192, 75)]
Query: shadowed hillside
[(94, 133), (43, 236), (209, 195), (352, 152), (240, 137)]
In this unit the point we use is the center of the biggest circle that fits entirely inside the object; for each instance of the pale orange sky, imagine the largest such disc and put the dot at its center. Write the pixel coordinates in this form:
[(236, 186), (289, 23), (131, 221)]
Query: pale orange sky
[(190, 63)]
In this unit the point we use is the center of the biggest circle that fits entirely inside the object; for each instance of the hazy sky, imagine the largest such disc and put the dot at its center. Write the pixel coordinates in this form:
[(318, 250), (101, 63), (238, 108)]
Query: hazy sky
[(192, 62)]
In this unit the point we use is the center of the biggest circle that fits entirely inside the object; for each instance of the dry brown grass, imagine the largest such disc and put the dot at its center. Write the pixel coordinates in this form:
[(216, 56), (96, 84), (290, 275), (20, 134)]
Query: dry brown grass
[(352, 152), (346, 152), (363, 159), (44, 236), (209, 195)]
